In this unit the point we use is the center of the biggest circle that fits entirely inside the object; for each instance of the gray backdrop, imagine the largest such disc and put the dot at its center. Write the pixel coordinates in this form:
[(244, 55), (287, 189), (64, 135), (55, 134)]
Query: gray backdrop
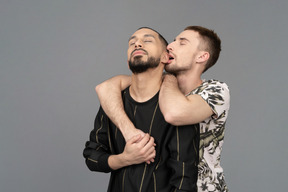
[(53, 53)]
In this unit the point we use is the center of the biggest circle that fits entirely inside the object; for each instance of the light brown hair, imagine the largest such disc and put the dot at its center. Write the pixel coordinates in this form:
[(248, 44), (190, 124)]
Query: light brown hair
[(210, 43)]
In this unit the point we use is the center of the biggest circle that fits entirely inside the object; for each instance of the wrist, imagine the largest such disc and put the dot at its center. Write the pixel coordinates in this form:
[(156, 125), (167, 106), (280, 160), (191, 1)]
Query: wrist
[(124, 159), (118, 161), (127, 128)]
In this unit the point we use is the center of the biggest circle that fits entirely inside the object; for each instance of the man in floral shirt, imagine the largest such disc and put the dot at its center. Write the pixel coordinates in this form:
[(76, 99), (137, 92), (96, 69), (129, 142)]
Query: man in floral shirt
[(185, 98), (207, 103)]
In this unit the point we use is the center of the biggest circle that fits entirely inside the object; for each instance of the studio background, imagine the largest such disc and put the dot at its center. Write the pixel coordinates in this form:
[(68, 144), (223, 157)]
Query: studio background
[(53, 53)]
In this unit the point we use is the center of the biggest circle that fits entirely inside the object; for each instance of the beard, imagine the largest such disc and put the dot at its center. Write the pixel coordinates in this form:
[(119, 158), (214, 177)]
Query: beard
[(139, 66)]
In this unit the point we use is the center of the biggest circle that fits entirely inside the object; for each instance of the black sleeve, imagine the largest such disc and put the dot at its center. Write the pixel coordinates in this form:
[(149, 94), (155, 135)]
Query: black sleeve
[(183, 160), (97, 150)]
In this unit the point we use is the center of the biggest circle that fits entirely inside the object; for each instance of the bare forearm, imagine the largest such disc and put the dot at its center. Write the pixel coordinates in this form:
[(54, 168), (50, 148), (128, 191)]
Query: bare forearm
[(171, 99), (179, 109), (109, 94)]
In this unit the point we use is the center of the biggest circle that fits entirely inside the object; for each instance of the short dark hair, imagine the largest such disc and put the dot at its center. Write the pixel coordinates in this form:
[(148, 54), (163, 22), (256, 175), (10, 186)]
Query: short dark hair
[(162, 39), (212, 43)]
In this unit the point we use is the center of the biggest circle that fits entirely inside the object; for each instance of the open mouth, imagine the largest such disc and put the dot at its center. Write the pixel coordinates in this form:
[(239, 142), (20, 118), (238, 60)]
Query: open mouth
[(171, 57)]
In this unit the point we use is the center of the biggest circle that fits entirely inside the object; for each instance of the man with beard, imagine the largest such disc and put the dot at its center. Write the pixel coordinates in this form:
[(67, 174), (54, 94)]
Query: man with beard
[(174, 157), (185, 98)]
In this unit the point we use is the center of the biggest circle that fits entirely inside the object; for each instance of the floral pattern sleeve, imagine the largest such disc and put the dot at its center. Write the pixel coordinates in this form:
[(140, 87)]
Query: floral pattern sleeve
[(217, 95)]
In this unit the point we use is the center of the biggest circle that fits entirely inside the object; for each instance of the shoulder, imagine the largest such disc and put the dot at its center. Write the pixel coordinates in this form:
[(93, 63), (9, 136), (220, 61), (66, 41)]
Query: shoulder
[(215, 83), (216, 94), (211, 86)]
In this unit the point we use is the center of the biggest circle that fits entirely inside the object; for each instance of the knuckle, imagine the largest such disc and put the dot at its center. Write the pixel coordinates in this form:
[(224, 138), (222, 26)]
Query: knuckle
[(141, 152)]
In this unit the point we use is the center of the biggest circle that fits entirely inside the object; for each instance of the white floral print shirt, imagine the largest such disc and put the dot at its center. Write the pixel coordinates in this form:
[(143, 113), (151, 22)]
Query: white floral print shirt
[(210, 173)]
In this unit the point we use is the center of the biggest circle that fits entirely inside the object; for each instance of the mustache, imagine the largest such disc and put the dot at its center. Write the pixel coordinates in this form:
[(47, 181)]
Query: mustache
[(139, 50)]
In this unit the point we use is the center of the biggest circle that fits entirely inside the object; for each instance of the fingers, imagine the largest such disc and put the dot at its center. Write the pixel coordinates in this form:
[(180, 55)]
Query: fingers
[(145, 148), (133, 132), (141, 133), (144, 140), (150, 151), (150, 143), (151, 156), (134, 139)]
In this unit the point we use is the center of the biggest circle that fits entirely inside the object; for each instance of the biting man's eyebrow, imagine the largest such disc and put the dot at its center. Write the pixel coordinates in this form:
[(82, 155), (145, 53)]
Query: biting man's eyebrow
[(146, 35), (183, 39)]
